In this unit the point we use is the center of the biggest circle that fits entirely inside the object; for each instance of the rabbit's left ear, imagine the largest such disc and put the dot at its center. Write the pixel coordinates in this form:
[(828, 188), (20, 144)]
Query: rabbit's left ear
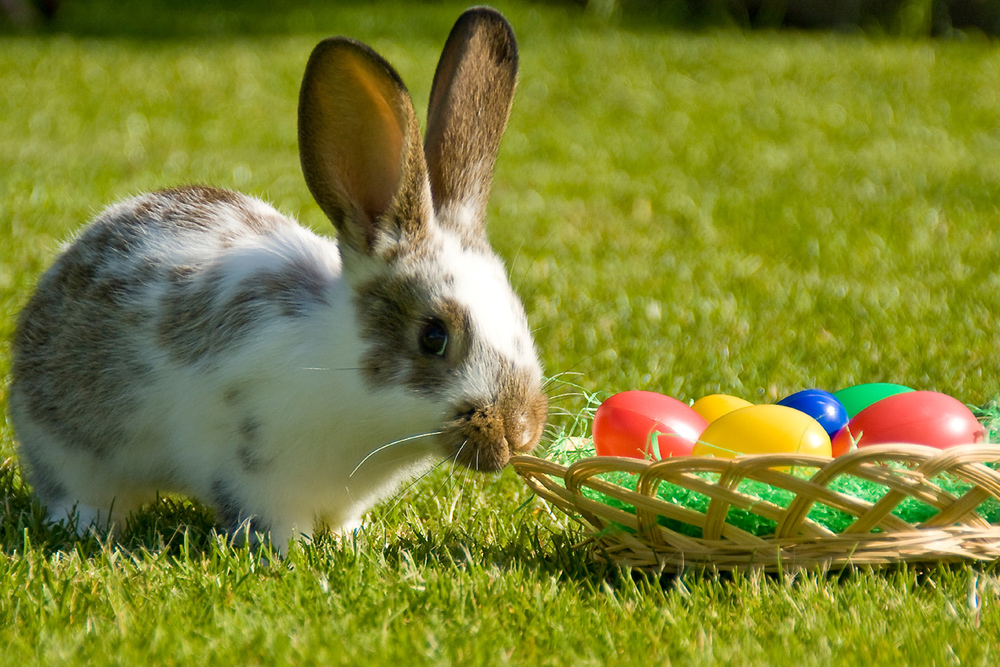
[(359, 143), (470, 103)]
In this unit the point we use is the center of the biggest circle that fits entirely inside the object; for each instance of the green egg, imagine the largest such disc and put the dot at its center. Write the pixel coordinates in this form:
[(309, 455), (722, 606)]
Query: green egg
[(860, 396)]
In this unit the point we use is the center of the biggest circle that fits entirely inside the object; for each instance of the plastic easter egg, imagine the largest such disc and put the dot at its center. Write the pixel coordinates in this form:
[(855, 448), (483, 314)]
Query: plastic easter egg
[(714, 406), (821, 406), (916, 417), (763, 429), (629, 423), (860, 396)]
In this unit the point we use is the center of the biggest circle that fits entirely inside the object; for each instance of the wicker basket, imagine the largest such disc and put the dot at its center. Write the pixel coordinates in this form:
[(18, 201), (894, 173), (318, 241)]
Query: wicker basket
[(877, 537)]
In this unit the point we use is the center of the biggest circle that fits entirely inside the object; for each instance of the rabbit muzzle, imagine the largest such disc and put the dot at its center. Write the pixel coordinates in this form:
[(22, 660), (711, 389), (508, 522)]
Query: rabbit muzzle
[(483, 437)]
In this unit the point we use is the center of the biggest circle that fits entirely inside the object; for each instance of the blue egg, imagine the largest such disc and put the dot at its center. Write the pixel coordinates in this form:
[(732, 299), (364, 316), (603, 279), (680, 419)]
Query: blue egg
[(821, 406)]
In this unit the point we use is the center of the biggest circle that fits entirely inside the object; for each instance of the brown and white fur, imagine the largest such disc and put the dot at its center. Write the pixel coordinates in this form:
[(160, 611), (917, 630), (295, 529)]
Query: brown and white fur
[(195, 340)]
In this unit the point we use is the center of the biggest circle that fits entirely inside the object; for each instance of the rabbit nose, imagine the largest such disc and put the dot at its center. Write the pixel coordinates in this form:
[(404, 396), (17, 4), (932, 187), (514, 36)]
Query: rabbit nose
[(524, 429)]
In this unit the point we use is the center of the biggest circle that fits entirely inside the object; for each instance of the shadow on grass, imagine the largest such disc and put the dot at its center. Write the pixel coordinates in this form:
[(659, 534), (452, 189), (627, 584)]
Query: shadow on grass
[(533, 548), (173, 526), (560, 557), (180, 528)]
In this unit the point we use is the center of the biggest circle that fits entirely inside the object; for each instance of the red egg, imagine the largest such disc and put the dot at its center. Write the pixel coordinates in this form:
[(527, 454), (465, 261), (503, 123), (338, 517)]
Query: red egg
[(916, 417), (627, 424)]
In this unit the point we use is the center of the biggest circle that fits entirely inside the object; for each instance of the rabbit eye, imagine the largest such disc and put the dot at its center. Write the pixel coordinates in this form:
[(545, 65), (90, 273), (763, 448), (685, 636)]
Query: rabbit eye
[(434, 337)]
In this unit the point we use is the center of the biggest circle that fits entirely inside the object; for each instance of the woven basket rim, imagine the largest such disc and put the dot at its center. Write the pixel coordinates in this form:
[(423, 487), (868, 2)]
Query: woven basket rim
[(876, 537)]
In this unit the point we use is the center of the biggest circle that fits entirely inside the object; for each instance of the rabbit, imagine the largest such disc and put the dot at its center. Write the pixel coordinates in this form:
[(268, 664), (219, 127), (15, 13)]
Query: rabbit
[(196, 341)]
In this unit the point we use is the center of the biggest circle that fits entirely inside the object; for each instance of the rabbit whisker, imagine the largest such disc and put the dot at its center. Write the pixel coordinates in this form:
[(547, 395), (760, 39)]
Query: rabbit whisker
[(316, 368), (393, 444), (568, 394), (464, 477), (418, 478), (558, 377), (548, 278), (562, 373), (456, 470), (415, 481)]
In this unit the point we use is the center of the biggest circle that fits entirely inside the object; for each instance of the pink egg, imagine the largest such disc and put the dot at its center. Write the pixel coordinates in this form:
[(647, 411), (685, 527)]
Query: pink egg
[(632, 422), (915, 417)]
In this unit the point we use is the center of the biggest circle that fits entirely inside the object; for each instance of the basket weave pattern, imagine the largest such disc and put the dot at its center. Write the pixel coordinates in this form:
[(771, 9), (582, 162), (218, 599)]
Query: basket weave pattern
[(876, 537)]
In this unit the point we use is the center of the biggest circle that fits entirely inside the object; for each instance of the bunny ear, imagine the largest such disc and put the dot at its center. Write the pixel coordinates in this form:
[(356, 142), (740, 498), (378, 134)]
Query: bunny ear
[(359, 144), (470, 103)]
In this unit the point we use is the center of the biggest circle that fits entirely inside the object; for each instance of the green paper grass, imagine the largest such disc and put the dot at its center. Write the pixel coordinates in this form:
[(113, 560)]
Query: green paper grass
[(573, 442)]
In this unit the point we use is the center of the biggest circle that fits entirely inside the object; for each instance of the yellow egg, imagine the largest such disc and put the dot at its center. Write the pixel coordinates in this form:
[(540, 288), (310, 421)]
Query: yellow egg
[(763, 429), (714, 406)]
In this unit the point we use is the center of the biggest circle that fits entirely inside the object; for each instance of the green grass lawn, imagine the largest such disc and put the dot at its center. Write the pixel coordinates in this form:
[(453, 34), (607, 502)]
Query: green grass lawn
[(686, 212)]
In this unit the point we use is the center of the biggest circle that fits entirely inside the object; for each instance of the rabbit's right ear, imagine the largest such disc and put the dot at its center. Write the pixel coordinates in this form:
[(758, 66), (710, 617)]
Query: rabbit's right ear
[(359, 144), (470, 103)]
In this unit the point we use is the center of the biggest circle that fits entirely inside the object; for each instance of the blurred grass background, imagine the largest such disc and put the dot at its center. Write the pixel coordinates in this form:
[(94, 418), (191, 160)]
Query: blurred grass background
[(685, 206)]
